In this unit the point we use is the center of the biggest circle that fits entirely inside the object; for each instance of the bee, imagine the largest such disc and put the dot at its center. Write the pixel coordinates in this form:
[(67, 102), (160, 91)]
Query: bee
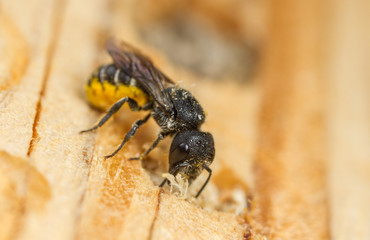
[(133, 79)]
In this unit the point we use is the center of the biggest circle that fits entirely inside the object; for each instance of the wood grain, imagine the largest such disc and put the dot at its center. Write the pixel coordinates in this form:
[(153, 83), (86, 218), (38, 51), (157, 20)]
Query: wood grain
[(292, 156), (291, 197), (80, 196)]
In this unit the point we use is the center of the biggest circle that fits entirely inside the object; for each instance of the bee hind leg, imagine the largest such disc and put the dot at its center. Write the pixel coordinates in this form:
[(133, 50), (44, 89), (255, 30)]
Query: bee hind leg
[(115, 107)]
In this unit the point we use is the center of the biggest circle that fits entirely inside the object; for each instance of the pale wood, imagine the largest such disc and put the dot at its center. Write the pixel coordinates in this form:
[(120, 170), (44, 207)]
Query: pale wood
[(78, 194), (27, 41), (348, 74), (59, 152), (302, 160), (290, 190)]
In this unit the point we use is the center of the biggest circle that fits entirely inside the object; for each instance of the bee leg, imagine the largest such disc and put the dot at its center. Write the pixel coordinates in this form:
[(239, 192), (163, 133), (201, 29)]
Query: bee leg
[(116, 106), (148, 106), (130, 133), (161, 136), (209, 176), (164, 182)]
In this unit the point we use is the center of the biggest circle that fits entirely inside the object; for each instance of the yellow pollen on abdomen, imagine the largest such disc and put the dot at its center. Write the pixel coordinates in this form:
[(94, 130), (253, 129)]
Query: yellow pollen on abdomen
[(103, 96)]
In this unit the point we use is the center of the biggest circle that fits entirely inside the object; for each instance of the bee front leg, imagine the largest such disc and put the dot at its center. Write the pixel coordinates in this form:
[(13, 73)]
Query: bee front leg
[(205, 184), (163, 182)]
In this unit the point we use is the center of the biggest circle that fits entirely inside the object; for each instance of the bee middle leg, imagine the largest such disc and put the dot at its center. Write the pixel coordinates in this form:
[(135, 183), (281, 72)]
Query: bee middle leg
[(130, 134), (160, 137), (116, 106)]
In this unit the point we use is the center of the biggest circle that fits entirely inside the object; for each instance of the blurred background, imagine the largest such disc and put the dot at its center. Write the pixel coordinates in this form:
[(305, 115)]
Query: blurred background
[(285, 46)]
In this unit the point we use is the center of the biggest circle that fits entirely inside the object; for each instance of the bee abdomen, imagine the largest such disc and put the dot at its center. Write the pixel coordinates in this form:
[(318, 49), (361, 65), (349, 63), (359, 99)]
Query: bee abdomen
[(111, 74), (108, 84)]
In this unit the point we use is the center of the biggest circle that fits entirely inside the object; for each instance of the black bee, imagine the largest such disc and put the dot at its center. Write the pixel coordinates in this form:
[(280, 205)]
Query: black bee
[(133, 78)]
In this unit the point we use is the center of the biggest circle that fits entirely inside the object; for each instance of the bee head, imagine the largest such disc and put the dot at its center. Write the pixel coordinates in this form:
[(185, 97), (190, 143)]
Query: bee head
[(190, 151)]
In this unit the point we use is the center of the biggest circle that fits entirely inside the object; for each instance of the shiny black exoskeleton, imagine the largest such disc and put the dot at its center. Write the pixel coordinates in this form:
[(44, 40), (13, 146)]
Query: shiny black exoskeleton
[(174, 109)]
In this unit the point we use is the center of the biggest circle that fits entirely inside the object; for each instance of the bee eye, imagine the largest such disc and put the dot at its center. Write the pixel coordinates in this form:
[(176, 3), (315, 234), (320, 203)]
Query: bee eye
[(179, 153), (184, 147)]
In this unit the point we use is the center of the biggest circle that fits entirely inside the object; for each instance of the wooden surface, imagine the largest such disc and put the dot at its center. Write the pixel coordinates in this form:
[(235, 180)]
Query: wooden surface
[(348, 120), (292, 156), (290, 161)]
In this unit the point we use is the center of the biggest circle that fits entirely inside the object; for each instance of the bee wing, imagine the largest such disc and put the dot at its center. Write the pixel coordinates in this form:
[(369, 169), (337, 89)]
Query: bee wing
[(129, 60)]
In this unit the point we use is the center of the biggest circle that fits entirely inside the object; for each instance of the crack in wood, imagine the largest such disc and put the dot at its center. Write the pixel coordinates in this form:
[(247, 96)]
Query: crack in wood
[(56, 23), (155, 215), (83, 195)]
